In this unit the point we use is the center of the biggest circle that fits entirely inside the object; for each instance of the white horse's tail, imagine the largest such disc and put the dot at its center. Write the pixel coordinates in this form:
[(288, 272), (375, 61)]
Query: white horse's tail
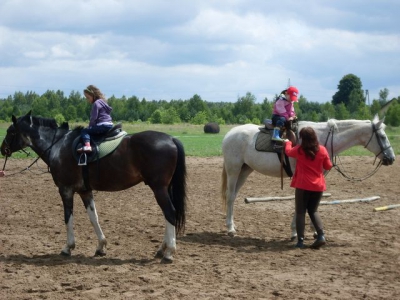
[(223, 187)]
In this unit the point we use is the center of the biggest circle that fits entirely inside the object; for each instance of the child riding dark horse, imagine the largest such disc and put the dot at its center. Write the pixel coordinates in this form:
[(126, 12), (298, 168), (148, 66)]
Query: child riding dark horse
[(152, 157), (100, 118)]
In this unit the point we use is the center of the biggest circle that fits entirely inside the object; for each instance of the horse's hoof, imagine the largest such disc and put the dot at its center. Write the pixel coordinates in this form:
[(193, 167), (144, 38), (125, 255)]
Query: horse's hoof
[(231, 233), (100, 253), (165, 260), (62, 253), (293, 238), (159, 254)]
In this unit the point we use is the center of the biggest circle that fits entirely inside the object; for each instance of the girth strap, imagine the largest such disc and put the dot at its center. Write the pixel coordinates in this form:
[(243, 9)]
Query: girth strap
[(286, 164)]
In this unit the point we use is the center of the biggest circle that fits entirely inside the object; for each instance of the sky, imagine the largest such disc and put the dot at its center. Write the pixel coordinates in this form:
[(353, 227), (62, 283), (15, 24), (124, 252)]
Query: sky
[(219, 50)]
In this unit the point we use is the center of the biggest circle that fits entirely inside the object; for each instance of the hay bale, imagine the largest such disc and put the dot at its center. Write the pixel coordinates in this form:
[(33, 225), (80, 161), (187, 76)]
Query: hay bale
[(211, 128)]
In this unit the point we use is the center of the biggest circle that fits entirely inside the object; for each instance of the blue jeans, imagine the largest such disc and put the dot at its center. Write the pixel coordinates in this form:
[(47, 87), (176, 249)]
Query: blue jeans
[(278, 120), (94, 130)]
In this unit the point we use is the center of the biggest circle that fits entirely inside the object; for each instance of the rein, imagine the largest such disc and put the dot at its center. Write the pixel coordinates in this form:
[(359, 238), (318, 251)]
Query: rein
[(336, 166), (53, 142), (23, 170)]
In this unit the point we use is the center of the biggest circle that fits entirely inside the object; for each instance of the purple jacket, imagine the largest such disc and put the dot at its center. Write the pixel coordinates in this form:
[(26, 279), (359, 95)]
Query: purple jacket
[(100, 113)]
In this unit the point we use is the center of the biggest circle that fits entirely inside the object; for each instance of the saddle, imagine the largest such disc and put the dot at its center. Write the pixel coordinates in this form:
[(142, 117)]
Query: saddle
[(263, 138), (102, 145), (265, 144)]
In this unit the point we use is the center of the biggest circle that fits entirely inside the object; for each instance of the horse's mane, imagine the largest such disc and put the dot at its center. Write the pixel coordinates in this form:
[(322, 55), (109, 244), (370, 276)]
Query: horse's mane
[(78, 128), (345, 123), (46, 122)]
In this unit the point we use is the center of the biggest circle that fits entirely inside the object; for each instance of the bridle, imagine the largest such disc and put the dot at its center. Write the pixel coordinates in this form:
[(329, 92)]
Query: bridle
[(334, 158), (9, 153)]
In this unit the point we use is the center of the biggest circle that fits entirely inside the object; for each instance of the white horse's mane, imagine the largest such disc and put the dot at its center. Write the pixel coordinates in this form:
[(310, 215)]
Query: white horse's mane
[(334, 123)]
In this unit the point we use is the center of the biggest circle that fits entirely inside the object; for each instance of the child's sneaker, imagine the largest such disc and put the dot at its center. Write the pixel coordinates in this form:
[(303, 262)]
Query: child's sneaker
[(86, 149)]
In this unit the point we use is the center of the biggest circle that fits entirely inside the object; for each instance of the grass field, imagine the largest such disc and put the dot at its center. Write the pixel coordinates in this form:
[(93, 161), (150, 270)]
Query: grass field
[(197, 143)]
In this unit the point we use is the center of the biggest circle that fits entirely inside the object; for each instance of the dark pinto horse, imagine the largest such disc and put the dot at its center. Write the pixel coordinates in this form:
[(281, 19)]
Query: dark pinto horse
[(152, 157)]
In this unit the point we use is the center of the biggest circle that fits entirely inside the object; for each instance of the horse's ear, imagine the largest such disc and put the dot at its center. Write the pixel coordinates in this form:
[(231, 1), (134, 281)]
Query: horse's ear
[(378, 122), (13, 119), (64, 125), (29, 113)]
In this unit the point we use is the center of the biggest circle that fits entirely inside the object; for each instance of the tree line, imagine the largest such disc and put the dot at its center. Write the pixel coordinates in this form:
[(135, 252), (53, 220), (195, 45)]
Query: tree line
[(349, 102)]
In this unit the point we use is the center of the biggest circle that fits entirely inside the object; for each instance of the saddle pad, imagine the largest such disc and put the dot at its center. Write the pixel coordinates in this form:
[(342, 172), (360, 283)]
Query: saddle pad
[(99, 150), (263, 141), (109, 146)]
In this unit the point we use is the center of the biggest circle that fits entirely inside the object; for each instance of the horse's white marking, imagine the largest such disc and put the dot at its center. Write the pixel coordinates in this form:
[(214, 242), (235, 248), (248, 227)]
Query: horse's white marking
[(168, 246), (70, 236), (94, 219)]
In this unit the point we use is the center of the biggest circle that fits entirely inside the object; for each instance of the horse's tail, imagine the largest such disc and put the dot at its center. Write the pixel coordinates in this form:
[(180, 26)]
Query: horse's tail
[(177, 188), (223, 187)]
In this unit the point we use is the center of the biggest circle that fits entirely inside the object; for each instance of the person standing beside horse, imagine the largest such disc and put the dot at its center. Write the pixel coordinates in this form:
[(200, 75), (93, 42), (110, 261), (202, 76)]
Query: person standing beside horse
[(309, 181), (100, 118), (283, 110)]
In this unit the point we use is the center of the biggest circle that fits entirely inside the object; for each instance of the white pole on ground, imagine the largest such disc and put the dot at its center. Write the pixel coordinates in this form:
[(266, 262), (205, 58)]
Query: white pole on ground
[(373, 198), (266, 199)]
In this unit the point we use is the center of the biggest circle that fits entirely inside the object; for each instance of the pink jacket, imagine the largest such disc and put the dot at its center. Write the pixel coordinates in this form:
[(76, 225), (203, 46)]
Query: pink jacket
[(309, 173), (284, 108)]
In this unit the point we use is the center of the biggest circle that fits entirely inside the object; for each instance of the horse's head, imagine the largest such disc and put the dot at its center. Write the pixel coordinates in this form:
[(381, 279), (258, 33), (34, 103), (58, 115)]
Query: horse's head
[(18, 135), (379, 142)]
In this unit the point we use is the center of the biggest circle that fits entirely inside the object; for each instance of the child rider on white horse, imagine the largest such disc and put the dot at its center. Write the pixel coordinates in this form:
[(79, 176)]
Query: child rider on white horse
[(283, 110)]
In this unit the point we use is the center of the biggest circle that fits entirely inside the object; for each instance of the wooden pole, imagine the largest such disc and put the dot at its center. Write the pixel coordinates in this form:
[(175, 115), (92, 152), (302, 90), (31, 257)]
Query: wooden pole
[(266, 199), (373, 198), (382, 208)]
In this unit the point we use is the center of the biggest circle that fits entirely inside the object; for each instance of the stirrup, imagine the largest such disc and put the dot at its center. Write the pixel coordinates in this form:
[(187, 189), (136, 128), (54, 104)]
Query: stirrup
[(82, 159)]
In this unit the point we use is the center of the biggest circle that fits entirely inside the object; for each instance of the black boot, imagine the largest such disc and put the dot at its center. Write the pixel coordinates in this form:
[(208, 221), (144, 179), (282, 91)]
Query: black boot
[(319, 242), (300, 243)]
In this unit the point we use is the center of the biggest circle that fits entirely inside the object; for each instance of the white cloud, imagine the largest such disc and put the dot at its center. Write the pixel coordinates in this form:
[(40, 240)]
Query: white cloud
[(217, 49)]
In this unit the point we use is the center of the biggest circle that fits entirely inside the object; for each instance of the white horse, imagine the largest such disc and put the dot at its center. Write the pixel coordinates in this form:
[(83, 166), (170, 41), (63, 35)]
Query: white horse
[(241, 158)]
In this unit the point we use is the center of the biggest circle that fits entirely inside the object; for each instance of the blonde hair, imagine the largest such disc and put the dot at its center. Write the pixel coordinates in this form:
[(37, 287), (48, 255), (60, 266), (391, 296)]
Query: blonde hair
[(95, 92)]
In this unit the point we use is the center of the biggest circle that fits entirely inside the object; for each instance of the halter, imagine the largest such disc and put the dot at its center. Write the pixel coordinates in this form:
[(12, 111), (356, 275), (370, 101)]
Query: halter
[(336, 166)]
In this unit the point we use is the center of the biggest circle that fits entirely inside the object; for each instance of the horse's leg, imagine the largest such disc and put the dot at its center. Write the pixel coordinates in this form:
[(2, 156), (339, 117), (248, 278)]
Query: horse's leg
[(293, 235), (87, 198), (67, 197), (235, 182), (168, 246)]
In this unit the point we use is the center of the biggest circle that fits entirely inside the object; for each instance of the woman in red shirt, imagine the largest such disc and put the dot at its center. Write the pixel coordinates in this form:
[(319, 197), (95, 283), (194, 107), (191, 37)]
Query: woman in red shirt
[(309, 181)]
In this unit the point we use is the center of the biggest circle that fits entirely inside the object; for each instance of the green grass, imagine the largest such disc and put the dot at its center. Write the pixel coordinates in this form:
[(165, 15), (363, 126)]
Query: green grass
[(197, 143), (193, 138)]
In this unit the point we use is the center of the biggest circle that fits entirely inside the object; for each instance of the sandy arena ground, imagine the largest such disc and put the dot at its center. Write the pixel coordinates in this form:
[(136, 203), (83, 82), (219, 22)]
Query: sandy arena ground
[(360, 261)]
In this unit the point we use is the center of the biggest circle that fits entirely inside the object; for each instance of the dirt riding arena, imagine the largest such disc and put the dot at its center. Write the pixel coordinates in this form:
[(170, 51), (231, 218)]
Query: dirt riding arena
[(360, 261)]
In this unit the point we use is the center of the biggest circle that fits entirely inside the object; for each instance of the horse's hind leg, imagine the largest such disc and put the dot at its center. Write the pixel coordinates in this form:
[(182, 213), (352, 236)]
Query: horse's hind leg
[(293, 234), (168, 246), (88, 201)]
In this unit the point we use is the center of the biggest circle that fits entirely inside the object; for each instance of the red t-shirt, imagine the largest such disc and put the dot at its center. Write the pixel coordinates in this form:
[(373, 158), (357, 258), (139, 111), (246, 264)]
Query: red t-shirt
[(309, 173)]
